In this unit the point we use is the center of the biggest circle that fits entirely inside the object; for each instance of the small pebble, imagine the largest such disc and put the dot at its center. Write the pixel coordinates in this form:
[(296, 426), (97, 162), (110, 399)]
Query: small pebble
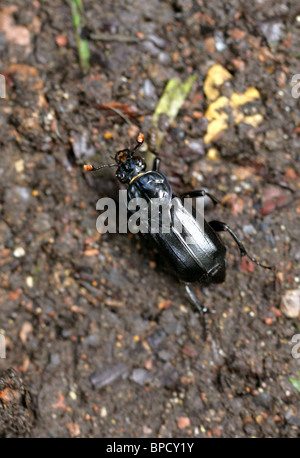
[(248, 229), (108, 375), (19, 252), (73, 395), (213, 154), (196, 146), (272, 32), (19, 166), (103, 412), (149, 364), (164, 355), (149, 89), (61, 40), (29, 282), (55, 359), (183, 422), (27, 329), (290, 303), (220, 42), (164, 58), (147, 430), (141, 376)]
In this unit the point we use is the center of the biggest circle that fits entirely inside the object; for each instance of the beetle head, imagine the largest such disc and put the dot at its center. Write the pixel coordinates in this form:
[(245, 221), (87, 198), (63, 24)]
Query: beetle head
[(128, 165), (129, 168)]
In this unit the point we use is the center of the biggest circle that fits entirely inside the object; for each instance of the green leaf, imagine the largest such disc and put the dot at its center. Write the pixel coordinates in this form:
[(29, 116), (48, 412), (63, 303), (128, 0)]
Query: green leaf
[(84, 55), (79, 21), (295, 382), (171, 101)]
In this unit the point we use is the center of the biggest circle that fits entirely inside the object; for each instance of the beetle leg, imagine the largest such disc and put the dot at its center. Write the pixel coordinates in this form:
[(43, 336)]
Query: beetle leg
[(156, 164), (200, 193), (218, 226), (202, 310)]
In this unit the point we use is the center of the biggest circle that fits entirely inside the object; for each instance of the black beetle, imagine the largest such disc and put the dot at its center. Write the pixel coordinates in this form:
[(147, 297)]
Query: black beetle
[(204, 259)]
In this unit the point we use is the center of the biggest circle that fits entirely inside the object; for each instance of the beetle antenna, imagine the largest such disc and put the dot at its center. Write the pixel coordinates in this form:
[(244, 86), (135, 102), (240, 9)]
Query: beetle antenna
[(92, 168), (140, 140)]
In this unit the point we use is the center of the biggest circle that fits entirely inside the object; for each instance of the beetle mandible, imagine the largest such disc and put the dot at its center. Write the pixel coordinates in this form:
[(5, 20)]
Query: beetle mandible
[(203, 260)]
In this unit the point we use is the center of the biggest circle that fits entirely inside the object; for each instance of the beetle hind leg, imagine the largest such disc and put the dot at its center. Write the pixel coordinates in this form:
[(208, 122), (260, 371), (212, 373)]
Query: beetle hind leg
[(202, 310), (200, 193), (218, 276), (218, 226)]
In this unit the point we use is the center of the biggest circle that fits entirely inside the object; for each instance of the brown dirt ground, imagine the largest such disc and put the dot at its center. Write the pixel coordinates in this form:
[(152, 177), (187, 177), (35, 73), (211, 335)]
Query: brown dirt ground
[(80, 311)]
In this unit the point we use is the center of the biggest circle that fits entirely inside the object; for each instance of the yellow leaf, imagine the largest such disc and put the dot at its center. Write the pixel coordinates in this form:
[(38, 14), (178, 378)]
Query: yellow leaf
[(253, 120), (213, 111), (214, 128), (216, 76), (249, 95)]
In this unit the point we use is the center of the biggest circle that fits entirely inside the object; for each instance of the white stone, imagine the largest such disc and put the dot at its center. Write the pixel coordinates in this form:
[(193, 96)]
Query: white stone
[(29, 282), (19, 252), (290, 303), (103, 412), (19, 166)]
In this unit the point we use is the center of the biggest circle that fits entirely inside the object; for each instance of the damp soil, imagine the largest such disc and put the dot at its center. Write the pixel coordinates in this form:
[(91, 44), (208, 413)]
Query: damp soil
[(101, 340)]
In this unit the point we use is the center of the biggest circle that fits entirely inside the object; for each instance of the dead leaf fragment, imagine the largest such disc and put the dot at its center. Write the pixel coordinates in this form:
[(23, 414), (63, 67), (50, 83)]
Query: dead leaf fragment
[(247, 265), (242, 173), (74, 429), (60, 404), (273, 199), (17, 34), (113, 303), (91, 252), (238, 34), (164, 304), (8, 394), (27, 329), (235, 203)]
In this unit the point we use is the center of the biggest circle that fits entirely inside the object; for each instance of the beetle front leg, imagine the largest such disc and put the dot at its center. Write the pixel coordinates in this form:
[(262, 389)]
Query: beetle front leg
[(218, 226), (200, 193), (202, 310), (156, 164)]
